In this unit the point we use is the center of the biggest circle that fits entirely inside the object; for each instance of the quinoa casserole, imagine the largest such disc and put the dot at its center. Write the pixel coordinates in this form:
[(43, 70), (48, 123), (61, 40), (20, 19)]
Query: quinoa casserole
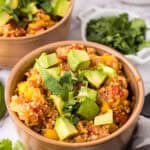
[(74, 95), (28, 17)]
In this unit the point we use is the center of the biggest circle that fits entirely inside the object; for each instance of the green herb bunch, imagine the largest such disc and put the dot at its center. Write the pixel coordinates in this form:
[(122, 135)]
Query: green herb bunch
[(119, 32)]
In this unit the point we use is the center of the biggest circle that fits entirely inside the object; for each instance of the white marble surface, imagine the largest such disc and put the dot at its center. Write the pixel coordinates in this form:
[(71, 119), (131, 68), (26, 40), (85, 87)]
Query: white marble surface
[(7, 129)]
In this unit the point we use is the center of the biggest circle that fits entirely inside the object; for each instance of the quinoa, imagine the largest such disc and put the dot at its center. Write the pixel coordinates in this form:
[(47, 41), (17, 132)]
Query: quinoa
[(36, 110)]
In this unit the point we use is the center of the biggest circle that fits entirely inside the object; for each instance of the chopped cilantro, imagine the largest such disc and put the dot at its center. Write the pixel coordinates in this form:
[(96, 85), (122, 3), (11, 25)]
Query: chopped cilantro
[(71, 106), (118, 32), (50, 82), (46, 5)]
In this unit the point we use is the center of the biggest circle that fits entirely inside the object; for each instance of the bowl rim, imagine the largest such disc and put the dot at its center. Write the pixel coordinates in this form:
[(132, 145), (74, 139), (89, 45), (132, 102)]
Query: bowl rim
[(45, 31), (133, 118)]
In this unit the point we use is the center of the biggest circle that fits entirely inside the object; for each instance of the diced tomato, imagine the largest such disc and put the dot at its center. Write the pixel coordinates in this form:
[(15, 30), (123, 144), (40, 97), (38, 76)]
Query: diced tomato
[(115, 90), (77, 46), (121, 117)]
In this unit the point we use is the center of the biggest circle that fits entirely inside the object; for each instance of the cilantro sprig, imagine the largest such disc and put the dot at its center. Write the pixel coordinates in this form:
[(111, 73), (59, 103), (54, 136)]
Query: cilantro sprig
[(59, 87), (62, 87), (6, 144)]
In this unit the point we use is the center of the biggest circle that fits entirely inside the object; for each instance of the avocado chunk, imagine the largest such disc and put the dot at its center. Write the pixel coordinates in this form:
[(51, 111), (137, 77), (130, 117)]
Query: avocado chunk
[(87, 92), (88, 109), (78, 59), (64, 128), (31, 7), (103, 119), (92, 94), (55, 72), (71, 95), (107, 70), (58, 103), (47, 60), (60, 7), (2, 2), (95, 77), (13, 4), (4, 18)]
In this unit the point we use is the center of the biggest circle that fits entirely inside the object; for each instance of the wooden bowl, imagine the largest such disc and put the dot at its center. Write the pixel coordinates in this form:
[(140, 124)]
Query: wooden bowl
[(116, 140), (14, 48)]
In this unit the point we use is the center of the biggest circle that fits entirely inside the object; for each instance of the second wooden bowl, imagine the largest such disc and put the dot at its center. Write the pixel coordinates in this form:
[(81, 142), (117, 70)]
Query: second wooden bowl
[(13, 49)]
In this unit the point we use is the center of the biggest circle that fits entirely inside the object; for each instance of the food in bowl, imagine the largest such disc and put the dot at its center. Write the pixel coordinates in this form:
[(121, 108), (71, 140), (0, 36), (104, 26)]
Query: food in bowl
[(74, 95), (118, 32), (23, 17)]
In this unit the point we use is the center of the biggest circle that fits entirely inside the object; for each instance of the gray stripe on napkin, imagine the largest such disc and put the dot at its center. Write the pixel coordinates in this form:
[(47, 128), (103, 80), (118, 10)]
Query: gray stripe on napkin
[(141, 138), (147, 147)]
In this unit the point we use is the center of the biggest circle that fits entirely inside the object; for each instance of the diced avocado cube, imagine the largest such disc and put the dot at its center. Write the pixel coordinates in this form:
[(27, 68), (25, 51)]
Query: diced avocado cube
[(92, 94), (83, 92), (60, 7), (70, 95), (13, 4), (88, 109), (2, 2), (52, 59), (47, 60), (58, 103), (32, 8), (88, 92), (95, 77), (107, 70), (4, 18), (64, 128), (55, 72), (78, 59), (103, 119)]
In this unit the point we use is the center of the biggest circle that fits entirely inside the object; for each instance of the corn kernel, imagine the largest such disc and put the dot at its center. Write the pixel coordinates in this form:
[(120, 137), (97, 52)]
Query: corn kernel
[(50, 133), (105, 107)]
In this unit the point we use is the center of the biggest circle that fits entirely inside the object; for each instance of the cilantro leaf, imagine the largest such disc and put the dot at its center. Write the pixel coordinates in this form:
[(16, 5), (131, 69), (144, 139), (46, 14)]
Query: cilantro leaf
[(74, 119), (46, 5), (59, 88), (67, 81), (71, 106), (50, 82), (5, 144), (66, 77)]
